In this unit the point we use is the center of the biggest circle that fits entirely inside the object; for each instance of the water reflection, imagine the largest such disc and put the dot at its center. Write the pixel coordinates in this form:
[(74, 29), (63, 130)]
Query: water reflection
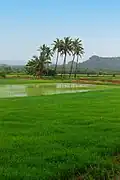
[(41, 89)]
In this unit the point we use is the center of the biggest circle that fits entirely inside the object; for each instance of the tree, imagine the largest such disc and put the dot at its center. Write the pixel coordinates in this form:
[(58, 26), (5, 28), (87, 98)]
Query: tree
[(45, 51), (66, 50), (7, 69), (57, 47), (48, 54), (2, 74), (37, 65), (79, 51), (31, 66), (75, 44)]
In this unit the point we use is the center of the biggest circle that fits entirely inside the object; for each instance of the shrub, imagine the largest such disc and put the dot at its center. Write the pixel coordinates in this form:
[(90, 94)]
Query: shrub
[(2, 74)]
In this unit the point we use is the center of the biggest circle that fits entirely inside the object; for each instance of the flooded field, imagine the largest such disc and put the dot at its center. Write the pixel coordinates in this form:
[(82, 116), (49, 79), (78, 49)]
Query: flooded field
[(42, 89)]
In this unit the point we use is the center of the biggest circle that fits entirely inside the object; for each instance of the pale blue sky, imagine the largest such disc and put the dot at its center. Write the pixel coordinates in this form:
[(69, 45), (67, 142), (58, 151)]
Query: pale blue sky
[(26, 24)]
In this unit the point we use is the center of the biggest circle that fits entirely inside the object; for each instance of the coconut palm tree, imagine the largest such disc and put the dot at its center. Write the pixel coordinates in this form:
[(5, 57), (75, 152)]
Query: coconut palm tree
[(45, 51), (79, 54), (57, 47), (66, 50), (76, 50), (49, 55), (31, 66), (37, 65), (75, 43)]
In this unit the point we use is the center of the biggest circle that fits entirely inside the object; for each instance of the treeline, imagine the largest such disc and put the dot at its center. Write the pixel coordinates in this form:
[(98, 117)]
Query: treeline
[(7, 69), (21, 70)]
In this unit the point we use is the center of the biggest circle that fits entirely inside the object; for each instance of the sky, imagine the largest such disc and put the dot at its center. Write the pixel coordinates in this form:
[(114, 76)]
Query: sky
[(27, 24)]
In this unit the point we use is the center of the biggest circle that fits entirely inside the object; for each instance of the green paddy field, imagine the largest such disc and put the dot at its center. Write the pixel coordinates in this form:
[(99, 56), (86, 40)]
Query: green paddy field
[(61, 136)]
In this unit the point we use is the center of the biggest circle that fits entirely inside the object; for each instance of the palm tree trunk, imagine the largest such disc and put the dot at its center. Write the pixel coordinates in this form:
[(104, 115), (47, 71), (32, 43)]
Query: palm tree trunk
[(76, 66), (64, 62), (56, 61), (71, 66), (47, 68)]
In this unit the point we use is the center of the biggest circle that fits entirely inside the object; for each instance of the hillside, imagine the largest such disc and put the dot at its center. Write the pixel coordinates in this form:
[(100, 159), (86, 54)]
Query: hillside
[(104, 63)]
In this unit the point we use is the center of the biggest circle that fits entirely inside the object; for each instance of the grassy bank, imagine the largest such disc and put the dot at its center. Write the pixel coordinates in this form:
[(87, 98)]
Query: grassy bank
[(59, 136), (27, 79), (30, 81), (34, 81)]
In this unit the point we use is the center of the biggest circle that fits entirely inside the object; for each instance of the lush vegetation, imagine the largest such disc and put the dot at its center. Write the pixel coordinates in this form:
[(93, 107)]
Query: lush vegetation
[(39, 65), (60, 136), (9, 70), (95, 66), (25, 79)]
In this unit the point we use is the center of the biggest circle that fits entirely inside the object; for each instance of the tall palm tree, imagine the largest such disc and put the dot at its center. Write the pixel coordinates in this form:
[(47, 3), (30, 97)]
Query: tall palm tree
[(49, 55), (75, 44), (57, 47), (66, 50), (79, 54), (77, 48), (46, 51)]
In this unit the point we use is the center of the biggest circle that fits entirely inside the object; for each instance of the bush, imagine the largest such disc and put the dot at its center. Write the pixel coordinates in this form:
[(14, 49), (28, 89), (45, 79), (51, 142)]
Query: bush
[(114, 75), (51, 72), (2, 74)]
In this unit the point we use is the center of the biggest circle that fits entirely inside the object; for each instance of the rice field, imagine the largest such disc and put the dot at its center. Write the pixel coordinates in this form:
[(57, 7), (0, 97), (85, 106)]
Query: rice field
[(65, 136)]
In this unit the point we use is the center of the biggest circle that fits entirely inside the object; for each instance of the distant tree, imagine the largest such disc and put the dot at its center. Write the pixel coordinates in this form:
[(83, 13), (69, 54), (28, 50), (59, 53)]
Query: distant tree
[(2, 74), (7, 69), (114, 74), (51, 72)]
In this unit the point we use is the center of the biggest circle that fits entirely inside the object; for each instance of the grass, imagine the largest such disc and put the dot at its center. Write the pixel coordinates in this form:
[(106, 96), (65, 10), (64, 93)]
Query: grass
[(95, 77), (59, 136), (30, 81), (27, 79), (33, 81)]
